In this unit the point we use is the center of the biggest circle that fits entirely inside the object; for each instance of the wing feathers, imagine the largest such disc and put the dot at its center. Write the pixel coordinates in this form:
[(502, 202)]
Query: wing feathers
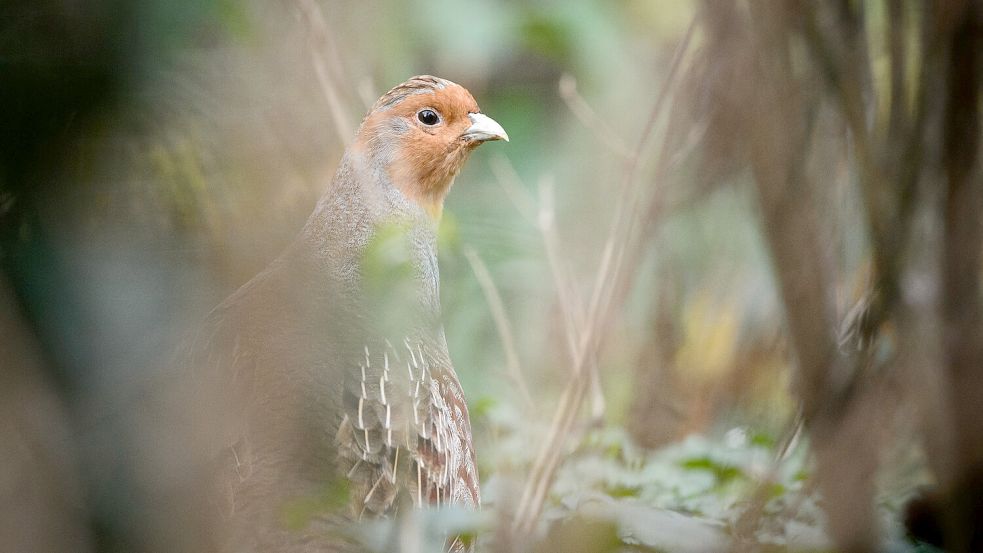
[(396, 414)]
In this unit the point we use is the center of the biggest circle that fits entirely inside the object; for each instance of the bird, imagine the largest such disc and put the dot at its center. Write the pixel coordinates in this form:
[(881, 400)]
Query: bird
[(331, 366)]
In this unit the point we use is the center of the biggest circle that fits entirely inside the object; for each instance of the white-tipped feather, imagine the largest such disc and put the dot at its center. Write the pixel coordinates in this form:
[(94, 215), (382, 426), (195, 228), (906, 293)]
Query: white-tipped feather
[(434, 436), (395, 466), (419, 483)]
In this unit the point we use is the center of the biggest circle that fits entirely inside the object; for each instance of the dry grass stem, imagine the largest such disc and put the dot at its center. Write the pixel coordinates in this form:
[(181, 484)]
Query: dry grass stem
[(494, 300), (588, 117), (511, 184), (320, 41), (587, 342)]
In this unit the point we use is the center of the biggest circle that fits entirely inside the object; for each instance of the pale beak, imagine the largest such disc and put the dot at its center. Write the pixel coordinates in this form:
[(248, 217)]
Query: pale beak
[(484, 128)]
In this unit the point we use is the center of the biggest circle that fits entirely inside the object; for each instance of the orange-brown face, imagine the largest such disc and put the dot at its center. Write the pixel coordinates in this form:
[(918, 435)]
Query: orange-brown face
[(422, 131)]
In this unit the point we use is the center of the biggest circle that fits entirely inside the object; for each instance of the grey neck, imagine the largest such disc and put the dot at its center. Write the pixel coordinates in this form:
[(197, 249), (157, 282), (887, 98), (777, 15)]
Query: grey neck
[(360, 201)]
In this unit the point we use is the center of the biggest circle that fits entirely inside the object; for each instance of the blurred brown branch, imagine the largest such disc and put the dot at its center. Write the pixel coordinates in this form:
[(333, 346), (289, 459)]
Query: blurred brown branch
[(848, 397)]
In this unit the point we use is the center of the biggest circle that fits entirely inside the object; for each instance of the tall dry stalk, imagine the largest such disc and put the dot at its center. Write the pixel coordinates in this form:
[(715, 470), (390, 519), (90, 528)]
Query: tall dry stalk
[(613, 273)]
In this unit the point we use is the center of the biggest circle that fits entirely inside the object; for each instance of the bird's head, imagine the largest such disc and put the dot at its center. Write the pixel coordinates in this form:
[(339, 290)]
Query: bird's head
[(421, 133)]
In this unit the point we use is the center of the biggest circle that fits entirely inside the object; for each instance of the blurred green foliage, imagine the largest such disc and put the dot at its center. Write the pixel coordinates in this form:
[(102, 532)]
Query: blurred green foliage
[(298, 513)]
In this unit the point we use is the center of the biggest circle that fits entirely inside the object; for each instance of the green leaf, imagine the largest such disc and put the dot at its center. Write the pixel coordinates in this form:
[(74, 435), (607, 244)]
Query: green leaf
[(723, 473), (297, 513)]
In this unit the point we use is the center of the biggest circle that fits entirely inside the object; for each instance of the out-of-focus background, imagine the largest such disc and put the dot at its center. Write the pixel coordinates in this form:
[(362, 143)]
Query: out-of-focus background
[(720, 291)]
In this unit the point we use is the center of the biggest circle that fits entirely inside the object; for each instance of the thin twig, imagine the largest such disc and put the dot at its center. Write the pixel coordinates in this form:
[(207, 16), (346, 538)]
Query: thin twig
[(608, 276), (607, 286), (572, 311), (588, 117), (509, 180), (320, 37), (505, 333), (573, 395), (747, 521), (367, 92)]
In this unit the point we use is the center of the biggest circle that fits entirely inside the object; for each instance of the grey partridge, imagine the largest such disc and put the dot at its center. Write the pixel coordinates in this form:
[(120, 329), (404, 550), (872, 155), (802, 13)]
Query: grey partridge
[(340, 377)]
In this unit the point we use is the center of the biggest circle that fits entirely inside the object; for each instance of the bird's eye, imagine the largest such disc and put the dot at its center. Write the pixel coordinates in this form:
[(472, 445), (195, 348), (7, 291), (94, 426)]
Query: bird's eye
[(428, 117)]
